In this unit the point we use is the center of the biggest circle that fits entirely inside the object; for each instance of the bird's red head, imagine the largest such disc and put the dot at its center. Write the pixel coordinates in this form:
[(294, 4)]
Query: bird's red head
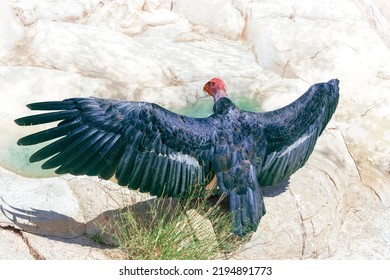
[(214, 86)]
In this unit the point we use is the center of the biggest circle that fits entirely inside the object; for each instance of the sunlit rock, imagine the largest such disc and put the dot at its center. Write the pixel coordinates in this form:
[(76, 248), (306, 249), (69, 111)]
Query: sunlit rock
[(57, 248), (318, 44), (224, 18), (12, 246), (29, 11), (307, 216), (11, 30), (44, 206)]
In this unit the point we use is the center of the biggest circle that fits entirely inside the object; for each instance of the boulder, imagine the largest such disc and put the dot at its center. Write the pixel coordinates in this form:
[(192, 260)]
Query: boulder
[(11, 30), (12, 246), (40, 205), (308, 215), (223, 18), (57, 248), (312, 41), (29, 12), (112, 55)]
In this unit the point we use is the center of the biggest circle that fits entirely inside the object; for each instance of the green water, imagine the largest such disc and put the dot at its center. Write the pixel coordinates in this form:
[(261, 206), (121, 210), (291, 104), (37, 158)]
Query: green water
[(204, 106)]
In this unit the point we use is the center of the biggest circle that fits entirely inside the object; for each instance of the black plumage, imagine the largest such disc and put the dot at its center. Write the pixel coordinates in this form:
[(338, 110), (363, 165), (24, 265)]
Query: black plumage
[(155, 150)]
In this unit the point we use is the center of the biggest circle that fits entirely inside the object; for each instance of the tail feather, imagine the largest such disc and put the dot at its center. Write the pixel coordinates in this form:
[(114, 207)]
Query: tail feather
[(246, 210)]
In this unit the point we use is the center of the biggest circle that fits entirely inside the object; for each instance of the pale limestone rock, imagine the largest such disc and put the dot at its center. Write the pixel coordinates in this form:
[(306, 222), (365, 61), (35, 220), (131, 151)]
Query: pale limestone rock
[(56, 248), (11, 30), (118, 15), (202, 227), (29, 11), (97, 196), (151, 5), (307, 219), (163, 24), (314, 41), (101, 201), (384, 7), (377, 14), (210, 58), (364, 234), (95, 52), (45, 205), (132, 18), (221, 17), (196, 227), (12, 246)]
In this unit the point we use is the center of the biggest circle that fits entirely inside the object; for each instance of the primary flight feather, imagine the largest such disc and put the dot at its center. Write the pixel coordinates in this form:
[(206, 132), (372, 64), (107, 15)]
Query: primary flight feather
[(152, 149)]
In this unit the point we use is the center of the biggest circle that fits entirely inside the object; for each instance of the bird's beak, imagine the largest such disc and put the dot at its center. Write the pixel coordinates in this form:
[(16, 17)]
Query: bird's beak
[(206, 88)]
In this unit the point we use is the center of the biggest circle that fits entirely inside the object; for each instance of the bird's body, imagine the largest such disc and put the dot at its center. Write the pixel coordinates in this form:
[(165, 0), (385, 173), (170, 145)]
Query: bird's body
[(155, 150)]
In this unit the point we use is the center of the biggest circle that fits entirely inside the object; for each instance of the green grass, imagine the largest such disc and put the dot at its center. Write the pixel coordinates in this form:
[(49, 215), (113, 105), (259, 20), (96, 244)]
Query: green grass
[(97, 238), (172, 229)]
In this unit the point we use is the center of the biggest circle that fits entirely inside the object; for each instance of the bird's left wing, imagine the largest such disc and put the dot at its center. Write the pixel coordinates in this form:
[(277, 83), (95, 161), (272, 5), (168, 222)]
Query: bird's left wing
[(144, 145), (290, 133)]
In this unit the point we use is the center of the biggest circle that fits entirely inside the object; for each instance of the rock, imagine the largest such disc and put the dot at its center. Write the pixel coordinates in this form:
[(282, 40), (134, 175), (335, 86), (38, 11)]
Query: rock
[(315, 42), (378, 15), (383, 7), (307, 216), (10, 28), (151, 5), (220, 17), (45, 205), (56, 248), (196, 230), (12, 246), (247, 80), (202, 227), (107, 201), (106, 195), (112, 56), (363, 235), (69, 10)]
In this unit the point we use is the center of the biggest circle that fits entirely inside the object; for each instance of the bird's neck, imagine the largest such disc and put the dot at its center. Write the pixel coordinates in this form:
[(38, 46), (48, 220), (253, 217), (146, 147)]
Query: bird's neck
[(219, 94), (223, 105)]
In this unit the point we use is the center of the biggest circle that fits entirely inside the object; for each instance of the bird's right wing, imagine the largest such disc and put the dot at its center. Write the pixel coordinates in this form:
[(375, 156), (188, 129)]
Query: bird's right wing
[(144, 145), (292, 131)]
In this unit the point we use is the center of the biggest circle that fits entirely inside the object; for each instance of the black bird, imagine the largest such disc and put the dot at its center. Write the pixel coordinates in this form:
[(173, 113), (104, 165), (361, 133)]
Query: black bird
[(155, 150)]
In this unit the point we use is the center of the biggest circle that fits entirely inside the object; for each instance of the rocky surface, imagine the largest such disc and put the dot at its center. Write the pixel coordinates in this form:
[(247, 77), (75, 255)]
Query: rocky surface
[(163, 51), (331, 213)]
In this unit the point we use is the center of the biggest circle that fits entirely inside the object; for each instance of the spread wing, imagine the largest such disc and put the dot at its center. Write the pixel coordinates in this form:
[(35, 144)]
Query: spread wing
[(292, 131), (144, 145)]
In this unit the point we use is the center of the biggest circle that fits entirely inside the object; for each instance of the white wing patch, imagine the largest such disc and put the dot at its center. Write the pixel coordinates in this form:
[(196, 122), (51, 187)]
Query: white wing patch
[(296, 144), (189, 160)]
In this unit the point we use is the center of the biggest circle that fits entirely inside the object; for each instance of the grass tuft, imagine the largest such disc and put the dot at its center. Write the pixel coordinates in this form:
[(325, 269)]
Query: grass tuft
[(174, 229)]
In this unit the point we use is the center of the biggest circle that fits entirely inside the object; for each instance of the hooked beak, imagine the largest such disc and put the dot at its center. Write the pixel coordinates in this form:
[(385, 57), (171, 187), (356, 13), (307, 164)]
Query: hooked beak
[(207, 89)]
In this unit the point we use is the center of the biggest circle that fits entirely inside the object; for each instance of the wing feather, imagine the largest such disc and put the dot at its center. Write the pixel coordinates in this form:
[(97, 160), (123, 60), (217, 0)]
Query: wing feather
[(142, 144), (292, 131)]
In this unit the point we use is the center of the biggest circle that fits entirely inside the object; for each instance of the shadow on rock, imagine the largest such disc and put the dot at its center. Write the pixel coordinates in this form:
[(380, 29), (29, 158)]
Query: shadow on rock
[(101, 229), (272, 191), (49, 223)]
